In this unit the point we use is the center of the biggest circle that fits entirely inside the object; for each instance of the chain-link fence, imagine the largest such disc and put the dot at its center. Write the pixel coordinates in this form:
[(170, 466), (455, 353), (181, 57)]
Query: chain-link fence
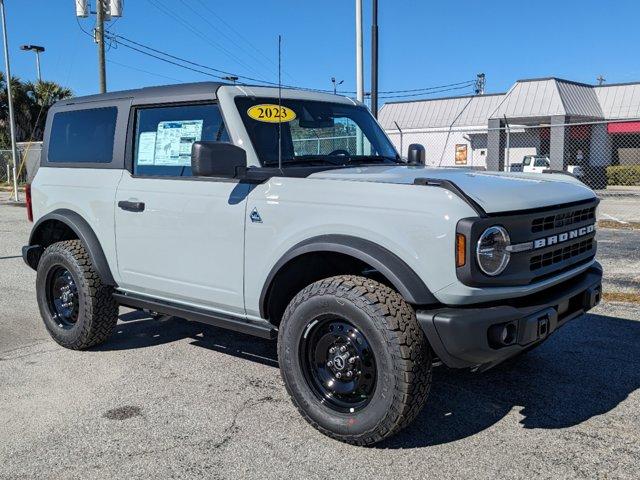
[(603, 155), (28, 161), (324, 145)]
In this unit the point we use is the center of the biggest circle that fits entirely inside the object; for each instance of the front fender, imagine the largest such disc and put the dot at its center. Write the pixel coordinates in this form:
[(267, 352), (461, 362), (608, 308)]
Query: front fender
[(392, 267)]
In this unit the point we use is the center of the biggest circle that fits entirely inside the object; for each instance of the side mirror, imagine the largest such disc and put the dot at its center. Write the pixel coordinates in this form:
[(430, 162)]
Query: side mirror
[(417, 155), (217, 159)]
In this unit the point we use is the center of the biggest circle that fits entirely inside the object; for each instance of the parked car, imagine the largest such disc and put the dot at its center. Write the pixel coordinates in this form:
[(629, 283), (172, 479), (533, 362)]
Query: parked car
[(206, 202), (535, 163)]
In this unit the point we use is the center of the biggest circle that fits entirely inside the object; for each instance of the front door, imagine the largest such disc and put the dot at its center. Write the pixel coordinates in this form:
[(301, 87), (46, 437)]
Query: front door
[(179, 238)]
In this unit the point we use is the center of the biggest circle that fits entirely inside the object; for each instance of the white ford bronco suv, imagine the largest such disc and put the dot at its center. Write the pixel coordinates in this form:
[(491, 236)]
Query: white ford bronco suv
[(289, 214)]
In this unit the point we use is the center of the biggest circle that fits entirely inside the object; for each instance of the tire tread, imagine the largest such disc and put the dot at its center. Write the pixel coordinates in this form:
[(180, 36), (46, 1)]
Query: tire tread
[(405, 340), (100, 308)]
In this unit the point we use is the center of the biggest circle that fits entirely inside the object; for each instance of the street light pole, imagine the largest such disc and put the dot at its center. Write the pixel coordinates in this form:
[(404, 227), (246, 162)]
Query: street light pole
[(359, 72), (374, 60), (12, 126), (335, 84), (38, 67), (38, 50), (359, 56)]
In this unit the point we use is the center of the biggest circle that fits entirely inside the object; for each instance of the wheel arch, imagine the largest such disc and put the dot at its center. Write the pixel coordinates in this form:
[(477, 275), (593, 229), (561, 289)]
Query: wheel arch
[(64, 224), (390, 267)]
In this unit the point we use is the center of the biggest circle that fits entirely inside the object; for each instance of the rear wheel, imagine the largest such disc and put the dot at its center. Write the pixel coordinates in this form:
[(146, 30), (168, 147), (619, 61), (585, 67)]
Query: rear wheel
[(77, 308), (354, 359)]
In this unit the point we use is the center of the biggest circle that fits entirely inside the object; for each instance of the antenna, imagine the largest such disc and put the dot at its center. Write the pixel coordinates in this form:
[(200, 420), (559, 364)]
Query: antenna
[(280, 102)]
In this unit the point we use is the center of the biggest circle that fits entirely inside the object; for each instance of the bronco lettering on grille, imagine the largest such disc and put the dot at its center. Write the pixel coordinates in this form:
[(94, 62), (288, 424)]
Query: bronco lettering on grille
[(563, 237)]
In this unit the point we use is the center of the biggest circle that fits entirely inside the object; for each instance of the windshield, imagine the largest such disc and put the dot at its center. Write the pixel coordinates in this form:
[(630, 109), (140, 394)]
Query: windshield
[(314, 133)]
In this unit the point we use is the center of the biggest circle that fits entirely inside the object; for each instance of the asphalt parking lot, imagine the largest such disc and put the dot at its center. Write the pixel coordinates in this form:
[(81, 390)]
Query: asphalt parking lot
[(169, 399)]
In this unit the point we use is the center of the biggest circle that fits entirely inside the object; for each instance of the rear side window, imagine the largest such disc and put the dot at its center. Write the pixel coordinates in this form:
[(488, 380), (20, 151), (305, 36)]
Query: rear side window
[(83, 136), (164, 136)]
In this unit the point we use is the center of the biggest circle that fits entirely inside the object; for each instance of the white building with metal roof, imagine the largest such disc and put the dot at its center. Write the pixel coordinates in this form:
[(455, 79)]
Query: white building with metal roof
[(567, 121)]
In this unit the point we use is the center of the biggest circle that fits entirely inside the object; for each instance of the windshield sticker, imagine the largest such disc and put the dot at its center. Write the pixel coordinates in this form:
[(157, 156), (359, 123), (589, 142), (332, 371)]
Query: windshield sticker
[(271, 113), (146, 148), (174, 140)]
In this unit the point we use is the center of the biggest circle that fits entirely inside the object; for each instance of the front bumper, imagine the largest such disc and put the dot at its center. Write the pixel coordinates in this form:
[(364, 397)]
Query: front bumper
[(469, 337)]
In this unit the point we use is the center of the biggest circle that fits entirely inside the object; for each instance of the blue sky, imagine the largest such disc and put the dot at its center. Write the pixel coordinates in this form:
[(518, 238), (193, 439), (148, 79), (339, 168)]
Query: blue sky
[(422, 43)]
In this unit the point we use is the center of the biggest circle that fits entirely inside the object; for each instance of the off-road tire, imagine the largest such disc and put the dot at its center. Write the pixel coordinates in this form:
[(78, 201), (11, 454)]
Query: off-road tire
[(401, 349), (97, 309)]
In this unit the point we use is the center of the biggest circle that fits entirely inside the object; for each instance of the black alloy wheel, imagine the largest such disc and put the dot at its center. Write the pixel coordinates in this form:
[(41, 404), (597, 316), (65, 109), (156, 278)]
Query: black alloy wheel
[(62, 297), (338, 364)]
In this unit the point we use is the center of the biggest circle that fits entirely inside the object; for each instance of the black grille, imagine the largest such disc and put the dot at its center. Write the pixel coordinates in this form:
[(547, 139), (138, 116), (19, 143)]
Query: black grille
[(558, 220), (560, 254)]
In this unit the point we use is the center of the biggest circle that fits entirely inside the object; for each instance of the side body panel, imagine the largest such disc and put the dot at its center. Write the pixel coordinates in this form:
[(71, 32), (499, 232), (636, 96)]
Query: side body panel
[(85, 188), (87, 191), (415, 223), (188, 243)]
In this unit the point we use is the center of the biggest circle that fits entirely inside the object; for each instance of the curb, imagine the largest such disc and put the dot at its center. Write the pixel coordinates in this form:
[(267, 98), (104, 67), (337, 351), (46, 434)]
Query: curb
[(617, 195)]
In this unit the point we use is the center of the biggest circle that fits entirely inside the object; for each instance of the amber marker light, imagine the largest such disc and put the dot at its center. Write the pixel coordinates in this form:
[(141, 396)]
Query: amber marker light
[(461, 250)]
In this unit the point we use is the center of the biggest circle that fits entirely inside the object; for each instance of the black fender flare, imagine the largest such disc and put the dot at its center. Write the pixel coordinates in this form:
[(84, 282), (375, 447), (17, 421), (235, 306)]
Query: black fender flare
[(393, 268), (85, 234)]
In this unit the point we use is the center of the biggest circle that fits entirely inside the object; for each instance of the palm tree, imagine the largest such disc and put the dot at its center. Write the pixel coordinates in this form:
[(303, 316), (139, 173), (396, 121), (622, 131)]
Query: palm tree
[(31, 103), (21, 110), (42, 96)]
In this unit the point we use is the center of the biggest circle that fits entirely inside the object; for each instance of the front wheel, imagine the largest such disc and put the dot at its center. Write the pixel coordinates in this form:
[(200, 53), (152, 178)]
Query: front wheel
[(354, 359)]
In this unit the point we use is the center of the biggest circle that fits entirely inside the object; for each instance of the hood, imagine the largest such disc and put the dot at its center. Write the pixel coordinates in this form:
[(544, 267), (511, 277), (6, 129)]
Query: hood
[(494, 191)]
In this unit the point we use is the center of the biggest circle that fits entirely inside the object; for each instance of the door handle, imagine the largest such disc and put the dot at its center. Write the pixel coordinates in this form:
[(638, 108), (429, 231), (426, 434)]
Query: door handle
[(131, 206)]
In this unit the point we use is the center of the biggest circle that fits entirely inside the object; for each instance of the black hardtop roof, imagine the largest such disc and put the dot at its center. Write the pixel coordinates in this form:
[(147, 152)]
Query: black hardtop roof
[(197, 88)]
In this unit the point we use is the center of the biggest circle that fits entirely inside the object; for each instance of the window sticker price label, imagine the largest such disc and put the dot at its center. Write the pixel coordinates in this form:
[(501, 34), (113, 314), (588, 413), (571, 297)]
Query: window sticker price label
[(271, 113)]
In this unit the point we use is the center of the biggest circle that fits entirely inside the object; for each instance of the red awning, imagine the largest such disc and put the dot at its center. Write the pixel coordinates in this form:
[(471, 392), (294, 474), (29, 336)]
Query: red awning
[(624, 127)]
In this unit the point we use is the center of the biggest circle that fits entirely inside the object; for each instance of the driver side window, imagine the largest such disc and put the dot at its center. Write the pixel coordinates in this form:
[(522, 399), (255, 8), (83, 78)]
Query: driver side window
[(165, 135)]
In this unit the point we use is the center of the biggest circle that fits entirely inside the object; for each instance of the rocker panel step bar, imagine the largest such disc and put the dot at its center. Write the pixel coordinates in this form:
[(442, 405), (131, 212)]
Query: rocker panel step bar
[(197, 315)]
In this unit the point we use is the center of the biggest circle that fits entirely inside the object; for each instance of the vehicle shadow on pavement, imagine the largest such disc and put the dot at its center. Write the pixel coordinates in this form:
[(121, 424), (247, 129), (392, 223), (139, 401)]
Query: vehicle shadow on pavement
[(587, 369), (138, 329)]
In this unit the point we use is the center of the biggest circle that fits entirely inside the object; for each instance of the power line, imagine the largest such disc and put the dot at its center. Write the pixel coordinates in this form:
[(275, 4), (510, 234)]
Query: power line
[(162, 8), (424, 89), (220, 74), (143, 71), (124, 41), (429, 88), (169, 61), (237, 46), (212, 12), (432, 92)]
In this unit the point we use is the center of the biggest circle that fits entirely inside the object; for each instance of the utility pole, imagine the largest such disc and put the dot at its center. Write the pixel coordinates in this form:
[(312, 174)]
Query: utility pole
[(601, 80), (374, 60), (359, 53), (105, 11), (12, 125), (99, 39), (38, 50)]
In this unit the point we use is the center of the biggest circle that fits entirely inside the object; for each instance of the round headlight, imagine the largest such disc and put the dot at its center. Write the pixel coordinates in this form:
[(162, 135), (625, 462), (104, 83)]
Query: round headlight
[(491, 251)]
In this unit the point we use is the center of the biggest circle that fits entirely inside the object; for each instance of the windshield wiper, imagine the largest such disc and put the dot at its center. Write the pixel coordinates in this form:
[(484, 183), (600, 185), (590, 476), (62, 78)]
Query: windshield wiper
[(335, 160), (373, 159), (304, 160)]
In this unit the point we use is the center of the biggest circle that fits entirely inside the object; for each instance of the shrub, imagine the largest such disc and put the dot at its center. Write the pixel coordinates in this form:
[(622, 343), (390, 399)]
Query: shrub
[(623, 175)]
